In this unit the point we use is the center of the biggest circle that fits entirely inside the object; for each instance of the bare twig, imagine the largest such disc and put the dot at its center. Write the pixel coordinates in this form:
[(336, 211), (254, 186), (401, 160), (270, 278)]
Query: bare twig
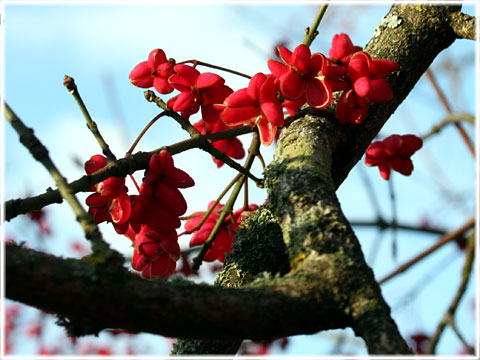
[(450, 119), (447, 107), (69, 83), (443, 240), (448, 317)]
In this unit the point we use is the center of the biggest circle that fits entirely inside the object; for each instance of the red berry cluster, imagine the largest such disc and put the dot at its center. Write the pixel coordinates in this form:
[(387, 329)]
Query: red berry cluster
[(148, 219), (393, 153)]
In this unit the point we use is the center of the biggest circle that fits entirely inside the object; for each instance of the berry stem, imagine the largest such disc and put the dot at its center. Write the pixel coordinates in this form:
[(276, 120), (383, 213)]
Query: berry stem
[(197, 62)]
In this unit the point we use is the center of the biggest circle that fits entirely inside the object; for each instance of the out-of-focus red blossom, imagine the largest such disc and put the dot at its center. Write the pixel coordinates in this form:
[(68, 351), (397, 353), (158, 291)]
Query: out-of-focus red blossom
[(258, 105), (91, 349), (419, 342), (195, 89), (154, 72), (304, 74), (33, 330), (393, 153), (40, 217), (222, 243), (342, 49), (231, 147), (255, 349), (44, 350), (351, 108), (79, 248), (110, 201), (186, 269), (9, 240), (367, 76), (155, 254)]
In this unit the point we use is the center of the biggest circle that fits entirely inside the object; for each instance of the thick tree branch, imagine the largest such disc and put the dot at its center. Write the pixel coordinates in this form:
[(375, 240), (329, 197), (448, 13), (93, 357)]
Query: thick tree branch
[(463, 25), (91, 298)]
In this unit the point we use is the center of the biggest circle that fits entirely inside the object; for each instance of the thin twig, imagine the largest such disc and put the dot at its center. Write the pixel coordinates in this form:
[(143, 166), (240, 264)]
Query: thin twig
[(198, 62), (447, 107), (129, 152), (382, 225), (468, 347), (394, 217), (311, 32), (372, 196), (227, 209), (40, 153), (193, 132), (450, 313), (69, 83), (450, 119), (442, 241)]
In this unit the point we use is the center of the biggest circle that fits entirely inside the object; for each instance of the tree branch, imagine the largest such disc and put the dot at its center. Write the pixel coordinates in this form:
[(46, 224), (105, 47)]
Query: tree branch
[(91, 298), (463, 25)]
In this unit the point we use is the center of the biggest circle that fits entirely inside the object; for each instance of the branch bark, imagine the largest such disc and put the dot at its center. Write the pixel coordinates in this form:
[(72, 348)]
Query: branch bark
[(90, 298)]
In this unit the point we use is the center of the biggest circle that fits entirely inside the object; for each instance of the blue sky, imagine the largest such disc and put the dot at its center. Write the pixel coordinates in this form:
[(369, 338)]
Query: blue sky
[(98, 45)]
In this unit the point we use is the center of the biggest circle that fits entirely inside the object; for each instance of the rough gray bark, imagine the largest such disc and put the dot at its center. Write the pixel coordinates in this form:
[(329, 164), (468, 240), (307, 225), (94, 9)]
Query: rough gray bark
[(323, 281)]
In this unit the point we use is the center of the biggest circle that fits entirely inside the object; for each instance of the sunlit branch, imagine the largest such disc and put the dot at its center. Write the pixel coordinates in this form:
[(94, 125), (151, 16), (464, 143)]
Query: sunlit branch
[(69, 83), (311, 32), (450, 119), (447, 107), (463, 25)]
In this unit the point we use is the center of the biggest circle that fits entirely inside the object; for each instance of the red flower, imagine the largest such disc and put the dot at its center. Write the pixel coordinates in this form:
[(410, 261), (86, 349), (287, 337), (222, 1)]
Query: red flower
[(192, 86), (293, 106), (110, 202), (155, 254), (255, 105), (305, 74), (419, 340), (222, 243), (153, 72), (160, 203), (351, 108), (367, 76), (342, 49), (39, 216), (393, 153)]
